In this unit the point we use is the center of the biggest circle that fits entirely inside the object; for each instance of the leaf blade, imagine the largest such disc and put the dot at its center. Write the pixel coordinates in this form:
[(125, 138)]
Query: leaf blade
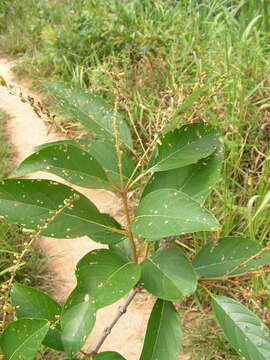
[(22, 338), (168, 212), (31, 202), (185, 146), (92, 111), (221, 258), (195, 180), (105, 277), (32, 303), (169, 275), (163, 339), (243, 329), (104, 152), (108, 355), (77, 322), (69, 162)]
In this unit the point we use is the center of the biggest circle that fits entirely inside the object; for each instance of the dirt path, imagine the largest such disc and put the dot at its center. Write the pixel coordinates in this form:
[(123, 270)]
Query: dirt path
[(27, 130)]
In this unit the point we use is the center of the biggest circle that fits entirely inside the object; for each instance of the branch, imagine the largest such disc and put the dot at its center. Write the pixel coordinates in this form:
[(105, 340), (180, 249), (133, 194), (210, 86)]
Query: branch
[(123, 191), (121, 311), (227, 277)]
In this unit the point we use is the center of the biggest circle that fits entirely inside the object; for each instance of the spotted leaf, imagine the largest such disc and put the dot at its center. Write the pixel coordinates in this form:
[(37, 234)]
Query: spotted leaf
[(242, 328), (184, 146), (163, 338), (91, 111), (104, 277), (32, 303), (229, 256), (69, 162), (77, 321), (21, 339), (123, 249), (169, 212), (169, 275), (196, 180), (32, 202), (104, 152)]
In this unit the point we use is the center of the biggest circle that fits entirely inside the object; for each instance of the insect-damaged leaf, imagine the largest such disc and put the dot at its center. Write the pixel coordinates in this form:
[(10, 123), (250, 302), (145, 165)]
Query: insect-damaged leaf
[(32, 202), (196, 180), (32, 303), (104, 152), (163, 338), (169, 275), (90, 110), (77, 322), (226, 256), (185, 146), (69, 162), (169, 212), (105, 277), (21, 339), (243, 329)]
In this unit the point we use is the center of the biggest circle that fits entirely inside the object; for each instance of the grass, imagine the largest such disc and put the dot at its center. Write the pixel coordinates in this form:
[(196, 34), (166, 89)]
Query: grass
[(156, 53)]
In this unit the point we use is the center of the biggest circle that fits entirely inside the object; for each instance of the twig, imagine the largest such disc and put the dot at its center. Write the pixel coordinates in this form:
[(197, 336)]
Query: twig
[(107, 330), (243, 264), (123, 191), (165, 242), (141, 160), (227, 277), (134, 128), (180, 243), (130, 234)]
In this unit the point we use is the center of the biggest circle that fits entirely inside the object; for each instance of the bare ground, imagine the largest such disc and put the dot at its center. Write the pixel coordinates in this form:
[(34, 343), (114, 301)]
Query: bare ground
[(26, 130)]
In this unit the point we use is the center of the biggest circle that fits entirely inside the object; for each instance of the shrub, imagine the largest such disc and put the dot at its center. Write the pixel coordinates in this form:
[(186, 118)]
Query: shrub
[(172, 175)]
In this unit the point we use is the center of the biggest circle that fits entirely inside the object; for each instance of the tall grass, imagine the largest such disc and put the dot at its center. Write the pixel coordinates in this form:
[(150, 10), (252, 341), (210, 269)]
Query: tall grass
[(156, 53)]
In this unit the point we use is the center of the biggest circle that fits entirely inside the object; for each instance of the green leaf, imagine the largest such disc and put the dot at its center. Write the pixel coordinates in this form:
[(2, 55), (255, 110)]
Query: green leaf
[(32, 202), (77, 322), (195, 180), (169, 275), (91, 111), (108, 355), (104, 152), (21, 339), (69, 162), (188, 102), (169, 212), (221, 258), (123, 249), (185, 146), (106, 155), (243, 329), (32, 303), (105, 277), (163, 339)]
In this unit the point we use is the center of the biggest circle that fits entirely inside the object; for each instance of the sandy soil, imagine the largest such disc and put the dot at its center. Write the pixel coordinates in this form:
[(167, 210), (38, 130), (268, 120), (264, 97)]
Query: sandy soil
[(27, 130)]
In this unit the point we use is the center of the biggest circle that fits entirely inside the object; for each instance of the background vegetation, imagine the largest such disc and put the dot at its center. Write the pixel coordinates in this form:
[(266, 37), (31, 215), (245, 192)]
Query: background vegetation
[(156, 54)]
